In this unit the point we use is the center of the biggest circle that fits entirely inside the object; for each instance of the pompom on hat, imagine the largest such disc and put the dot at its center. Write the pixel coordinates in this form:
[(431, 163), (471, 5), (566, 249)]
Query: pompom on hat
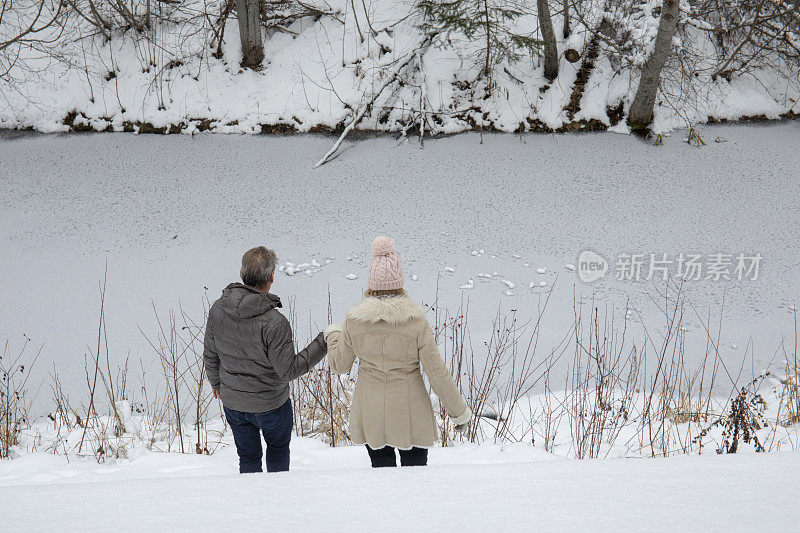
[(385, 269)]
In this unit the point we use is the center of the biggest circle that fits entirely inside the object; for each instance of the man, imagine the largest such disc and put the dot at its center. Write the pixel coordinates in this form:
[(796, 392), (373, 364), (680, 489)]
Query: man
[(250, 361)]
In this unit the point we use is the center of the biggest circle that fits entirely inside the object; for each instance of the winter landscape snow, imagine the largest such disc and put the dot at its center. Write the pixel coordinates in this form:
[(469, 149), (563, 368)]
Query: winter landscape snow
[(596, 207), (489, 223)]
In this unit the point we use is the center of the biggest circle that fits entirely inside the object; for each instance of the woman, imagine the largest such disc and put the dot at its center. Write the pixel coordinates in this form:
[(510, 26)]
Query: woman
[(389, 334)]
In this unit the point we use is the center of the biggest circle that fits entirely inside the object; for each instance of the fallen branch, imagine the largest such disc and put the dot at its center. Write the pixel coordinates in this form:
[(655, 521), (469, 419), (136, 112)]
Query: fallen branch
[(417, 52)]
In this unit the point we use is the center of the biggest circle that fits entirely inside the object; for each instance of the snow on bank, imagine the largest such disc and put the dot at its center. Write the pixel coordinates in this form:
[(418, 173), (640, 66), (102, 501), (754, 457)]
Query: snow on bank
[(510, 488), (319, 70)]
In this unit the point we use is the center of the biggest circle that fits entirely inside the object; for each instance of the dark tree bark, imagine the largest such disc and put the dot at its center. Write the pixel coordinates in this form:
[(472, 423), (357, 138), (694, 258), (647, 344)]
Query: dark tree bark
[(565, 30), (549, 38), (487, 67), (249, 14), (641, 112)]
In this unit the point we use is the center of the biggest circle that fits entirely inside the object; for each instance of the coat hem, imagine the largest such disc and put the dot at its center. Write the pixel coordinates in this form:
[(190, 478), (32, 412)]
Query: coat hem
[(246, 405), (404, 448)]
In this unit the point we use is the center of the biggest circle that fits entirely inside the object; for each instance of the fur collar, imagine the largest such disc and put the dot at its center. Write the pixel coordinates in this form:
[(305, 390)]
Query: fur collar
[(393, 310)]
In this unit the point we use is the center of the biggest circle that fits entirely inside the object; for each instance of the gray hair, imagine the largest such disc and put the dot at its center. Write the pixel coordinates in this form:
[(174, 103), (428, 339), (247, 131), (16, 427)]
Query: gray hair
[(257, 265)]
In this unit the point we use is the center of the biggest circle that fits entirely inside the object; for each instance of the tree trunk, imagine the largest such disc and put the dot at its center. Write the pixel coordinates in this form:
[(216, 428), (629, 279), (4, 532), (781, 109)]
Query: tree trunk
[(487, 67), (249, 14), (566, 31), (641, 112), (549, 38)]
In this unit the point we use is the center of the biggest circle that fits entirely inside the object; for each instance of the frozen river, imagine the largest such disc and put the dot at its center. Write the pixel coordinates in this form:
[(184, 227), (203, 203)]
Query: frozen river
[(171, 216)]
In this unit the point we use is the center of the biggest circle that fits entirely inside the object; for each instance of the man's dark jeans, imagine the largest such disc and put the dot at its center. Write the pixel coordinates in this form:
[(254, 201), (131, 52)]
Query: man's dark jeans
[(275, 425)]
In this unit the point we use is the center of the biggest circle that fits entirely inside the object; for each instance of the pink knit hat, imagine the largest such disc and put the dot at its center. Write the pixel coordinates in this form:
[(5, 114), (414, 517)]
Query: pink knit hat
[(385, 269)]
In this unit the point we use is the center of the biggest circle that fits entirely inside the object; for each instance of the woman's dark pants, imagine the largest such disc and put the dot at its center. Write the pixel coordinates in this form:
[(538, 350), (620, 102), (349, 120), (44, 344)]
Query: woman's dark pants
[(385, 457)]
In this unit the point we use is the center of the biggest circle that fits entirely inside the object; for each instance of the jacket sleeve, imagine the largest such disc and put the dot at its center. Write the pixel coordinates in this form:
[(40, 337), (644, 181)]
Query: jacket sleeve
[(277, 335), (340, 349), (439, 376), (210, 356)]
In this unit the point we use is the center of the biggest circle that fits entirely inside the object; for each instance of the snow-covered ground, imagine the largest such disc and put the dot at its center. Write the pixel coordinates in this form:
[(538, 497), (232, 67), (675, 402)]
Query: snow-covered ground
[(465, 488), (172, 215)]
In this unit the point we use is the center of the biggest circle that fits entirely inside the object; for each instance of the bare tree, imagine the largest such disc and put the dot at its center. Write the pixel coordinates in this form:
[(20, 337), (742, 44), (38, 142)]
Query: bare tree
[(395, 75), (750, 34), (641, 112), (249, 14), (24, 26), (31, 19), (566, 31), (491, 22), (549, 38)]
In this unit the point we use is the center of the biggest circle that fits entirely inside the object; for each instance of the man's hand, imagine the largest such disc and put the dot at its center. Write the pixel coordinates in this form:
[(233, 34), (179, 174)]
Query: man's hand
[(217, 393)]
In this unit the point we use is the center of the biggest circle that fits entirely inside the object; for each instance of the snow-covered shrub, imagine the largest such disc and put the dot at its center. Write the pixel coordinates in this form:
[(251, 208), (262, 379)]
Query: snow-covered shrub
[(750, 34), (187, 397), (789, 394), (321, 402), (745, 418), (493, 24), (14, 402), (110, 422), (320, 398)]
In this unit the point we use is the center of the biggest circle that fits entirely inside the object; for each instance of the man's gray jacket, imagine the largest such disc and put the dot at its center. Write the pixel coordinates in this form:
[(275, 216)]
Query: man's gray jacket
[(249, 351)]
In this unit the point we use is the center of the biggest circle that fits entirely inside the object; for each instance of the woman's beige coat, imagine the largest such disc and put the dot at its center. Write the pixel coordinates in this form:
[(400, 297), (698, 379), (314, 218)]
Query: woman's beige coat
[(392, 339)]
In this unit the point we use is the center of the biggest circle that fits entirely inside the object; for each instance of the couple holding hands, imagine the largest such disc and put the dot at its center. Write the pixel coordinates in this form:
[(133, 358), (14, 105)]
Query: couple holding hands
[(250, 360)]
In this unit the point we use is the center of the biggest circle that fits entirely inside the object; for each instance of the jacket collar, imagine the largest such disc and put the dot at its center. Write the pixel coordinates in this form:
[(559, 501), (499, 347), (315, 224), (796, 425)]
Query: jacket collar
[(393, 310), (243, 301)]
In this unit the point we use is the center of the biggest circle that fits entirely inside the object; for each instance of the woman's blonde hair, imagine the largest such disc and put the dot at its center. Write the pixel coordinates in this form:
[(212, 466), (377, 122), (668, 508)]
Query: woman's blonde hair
[(390, 292)]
